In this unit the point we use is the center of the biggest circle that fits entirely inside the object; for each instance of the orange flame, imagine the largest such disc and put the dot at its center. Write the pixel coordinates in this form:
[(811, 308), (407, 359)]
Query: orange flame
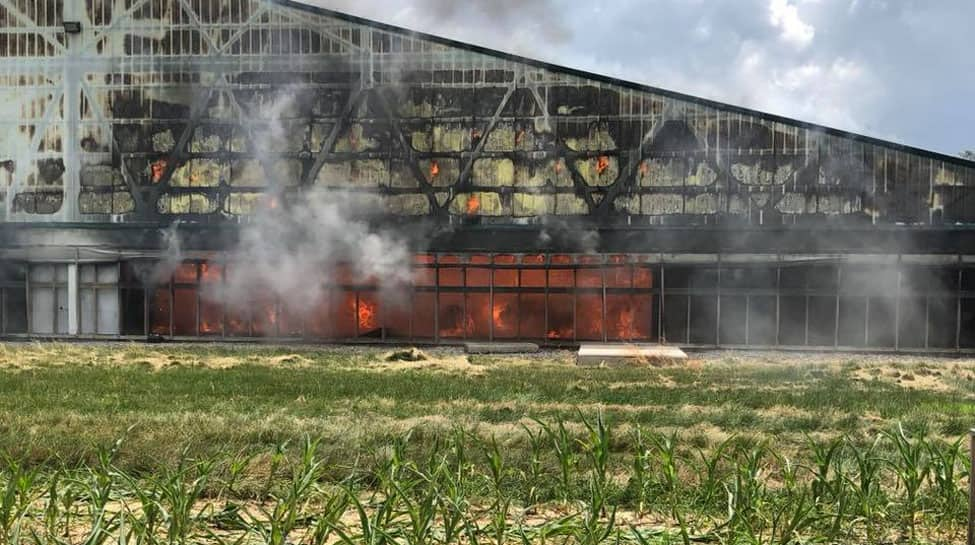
[(602, 164), (464, 327), (561, 333), (473, 204), (558, 167), (644, 169), (208, 327), (519, 136), (367, 316), (158, 169), (500, 311), (434, 169), (270, 317), (237, 326)]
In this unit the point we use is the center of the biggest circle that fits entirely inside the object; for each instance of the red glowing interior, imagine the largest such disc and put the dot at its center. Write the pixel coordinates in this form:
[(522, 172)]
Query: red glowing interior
[(558, 298)]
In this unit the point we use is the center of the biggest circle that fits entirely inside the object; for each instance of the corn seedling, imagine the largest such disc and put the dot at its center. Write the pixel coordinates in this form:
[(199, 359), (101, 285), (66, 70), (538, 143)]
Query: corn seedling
[(911, 466)]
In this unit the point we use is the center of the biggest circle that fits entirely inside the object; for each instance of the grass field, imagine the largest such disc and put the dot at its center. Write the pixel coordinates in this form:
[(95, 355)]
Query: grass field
[(179, 444)]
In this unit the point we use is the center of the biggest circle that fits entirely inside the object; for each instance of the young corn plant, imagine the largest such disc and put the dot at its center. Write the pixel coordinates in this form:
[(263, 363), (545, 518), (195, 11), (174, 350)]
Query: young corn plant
[(595, 526), (640, 472), (144, 511), (181, 491), (236, 468), (665, 448), (597, 449), (18, 494), (418, 496), (534, 476), (275, 525), (710, 483), (501, 506), (792, 513), (329, 514), (63, 498), (829, 483), (374, 521), (747, 492), (870, 502), (99, 487), (452, 505), (946, 459), (598, 520), (564, 448), (825, 468), (911, 464)]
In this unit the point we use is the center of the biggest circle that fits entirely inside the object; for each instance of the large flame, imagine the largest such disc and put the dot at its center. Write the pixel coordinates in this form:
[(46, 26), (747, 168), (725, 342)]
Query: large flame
[(562, 315), (434, 169), (367, 316)]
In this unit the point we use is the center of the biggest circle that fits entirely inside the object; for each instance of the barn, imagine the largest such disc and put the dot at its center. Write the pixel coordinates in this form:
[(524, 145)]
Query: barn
[(218, 170)]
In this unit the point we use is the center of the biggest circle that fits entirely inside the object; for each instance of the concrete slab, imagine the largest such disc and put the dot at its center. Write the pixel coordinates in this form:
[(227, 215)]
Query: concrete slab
[(629, 355), (500, 348)]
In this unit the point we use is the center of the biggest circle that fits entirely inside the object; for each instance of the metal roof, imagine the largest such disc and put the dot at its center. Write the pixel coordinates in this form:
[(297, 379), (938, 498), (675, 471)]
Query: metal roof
[(954, 159)]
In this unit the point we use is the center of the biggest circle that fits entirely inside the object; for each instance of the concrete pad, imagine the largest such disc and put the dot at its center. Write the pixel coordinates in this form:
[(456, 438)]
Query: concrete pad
[(500, 348), (629, 355)]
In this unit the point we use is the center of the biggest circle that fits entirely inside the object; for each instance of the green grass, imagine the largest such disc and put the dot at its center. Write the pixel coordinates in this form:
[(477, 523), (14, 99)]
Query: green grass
[(63, 407), (62, 400)]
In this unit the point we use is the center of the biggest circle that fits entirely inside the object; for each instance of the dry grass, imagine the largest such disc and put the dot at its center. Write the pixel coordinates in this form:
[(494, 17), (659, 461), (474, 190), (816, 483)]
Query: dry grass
[(62, 398), (64, 403)]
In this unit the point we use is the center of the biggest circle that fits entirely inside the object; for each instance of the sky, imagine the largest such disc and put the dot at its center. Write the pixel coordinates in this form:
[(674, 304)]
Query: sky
[(901, 70)]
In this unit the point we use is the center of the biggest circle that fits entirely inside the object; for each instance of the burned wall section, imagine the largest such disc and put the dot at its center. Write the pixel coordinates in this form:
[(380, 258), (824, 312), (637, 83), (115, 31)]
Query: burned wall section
[(882, 303), (161, 112), (544, 298)]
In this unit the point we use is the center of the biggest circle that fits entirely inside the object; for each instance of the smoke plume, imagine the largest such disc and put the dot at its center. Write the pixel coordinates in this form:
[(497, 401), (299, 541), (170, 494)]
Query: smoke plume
[(297, 240), (292, 249)]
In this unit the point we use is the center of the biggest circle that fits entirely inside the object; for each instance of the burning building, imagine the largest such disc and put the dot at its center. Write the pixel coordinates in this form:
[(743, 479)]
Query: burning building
[(239, 169)]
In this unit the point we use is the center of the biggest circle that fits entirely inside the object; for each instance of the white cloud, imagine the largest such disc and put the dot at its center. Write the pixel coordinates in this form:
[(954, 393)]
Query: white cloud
[(785, 17)]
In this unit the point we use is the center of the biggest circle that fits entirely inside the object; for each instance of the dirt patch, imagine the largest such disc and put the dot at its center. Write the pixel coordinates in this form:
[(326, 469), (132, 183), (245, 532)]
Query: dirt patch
[(916, 375), (454, 364), (784, 411), (657, 382), (407, 354)]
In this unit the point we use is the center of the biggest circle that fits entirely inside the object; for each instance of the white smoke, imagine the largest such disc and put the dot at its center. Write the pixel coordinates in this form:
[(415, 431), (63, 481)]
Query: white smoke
[(295, 244), (292, 250), (297, 240), (171, 259)]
